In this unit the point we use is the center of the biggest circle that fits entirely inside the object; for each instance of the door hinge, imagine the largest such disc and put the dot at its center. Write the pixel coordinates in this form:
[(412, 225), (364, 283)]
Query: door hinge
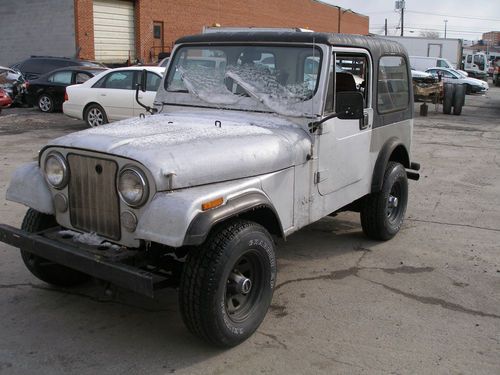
[(320, 176)]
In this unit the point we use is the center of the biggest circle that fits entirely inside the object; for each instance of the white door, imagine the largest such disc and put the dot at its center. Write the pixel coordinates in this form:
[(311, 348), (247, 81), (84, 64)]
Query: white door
[(344, 145), (116, 94), (114, 31), (147, 98)]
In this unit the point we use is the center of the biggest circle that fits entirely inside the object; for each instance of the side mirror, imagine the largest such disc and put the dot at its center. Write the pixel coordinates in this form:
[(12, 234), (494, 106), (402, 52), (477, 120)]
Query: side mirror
[(350, 105), (144, 80)]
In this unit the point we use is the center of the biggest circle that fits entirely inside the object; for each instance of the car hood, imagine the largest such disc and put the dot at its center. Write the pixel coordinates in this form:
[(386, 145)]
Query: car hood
[(199, 147)]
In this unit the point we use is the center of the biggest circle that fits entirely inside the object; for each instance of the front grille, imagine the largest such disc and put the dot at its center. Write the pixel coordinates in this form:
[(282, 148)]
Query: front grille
[(93, 200)]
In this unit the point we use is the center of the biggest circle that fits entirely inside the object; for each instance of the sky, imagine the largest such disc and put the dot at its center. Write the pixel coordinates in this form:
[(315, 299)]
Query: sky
[(466, 19)]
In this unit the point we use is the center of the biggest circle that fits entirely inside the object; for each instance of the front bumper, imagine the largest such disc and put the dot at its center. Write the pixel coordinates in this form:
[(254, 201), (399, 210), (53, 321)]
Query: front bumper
[(105, 264)]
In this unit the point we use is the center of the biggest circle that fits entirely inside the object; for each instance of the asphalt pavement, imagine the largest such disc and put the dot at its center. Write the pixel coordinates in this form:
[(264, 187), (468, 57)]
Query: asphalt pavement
[(426, 302)]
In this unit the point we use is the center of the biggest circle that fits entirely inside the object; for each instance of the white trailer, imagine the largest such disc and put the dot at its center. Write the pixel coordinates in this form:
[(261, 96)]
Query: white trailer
[(450, 49)]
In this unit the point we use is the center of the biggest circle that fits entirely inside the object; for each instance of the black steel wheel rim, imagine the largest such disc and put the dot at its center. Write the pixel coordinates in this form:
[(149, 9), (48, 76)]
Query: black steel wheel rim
[(239, 306), (394, 203)]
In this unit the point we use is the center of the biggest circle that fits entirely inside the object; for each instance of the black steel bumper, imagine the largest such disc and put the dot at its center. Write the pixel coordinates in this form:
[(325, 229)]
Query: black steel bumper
[(83, 259)]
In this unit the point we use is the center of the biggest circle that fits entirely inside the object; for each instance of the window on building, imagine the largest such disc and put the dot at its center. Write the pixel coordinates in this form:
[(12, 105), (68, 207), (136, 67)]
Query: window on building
[(63, 77), (393, 84)]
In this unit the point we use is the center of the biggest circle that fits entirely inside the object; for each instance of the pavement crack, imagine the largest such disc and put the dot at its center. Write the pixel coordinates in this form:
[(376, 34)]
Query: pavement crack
[(433, 301), (275, 339), (83, 295), (453, 224)]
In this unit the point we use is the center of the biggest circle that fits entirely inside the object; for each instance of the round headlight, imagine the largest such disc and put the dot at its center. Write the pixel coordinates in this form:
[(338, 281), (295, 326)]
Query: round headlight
[(56, 170), (133, 187)]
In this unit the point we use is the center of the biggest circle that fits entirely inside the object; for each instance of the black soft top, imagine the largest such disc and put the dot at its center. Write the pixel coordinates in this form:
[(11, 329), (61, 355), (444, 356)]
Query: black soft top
[(376, 46)]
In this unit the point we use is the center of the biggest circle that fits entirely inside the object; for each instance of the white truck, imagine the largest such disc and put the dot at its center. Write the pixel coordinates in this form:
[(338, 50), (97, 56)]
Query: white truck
[(442, 52)]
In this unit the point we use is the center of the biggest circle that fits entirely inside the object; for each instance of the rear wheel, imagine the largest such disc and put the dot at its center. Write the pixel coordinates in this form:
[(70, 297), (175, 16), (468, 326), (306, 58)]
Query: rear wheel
[(95, 116), (459, 99), (227, 283), (44, 269), (45, 103), (383, 213), (449, 91)]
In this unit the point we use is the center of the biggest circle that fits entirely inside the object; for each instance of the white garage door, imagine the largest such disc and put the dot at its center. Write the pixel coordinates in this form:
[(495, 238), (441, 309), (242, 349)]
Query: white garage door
[(114, 36)]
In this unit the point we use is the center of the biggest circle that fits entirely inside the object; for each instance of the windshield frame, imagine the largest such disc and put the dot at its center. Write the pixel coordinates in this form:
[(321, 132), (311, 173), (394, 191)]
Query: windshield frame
[(310, 108)]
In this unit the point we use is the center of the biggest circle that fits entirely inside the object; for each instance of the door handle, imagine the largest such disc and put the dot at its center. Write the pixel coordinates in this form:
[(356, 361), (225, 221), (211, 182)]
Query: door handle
[(363, 123)]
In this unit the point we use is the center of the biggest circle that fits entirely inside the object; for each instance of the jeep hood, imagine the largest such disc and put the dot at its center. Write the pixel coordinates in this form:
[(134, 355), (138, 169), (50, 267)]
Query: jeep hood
[(199, 147)]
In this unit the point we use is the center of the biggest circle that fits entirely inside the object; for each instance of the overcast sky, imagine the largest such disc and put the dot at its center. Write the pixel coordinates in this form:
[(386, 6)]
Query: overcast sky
[(467, 19)]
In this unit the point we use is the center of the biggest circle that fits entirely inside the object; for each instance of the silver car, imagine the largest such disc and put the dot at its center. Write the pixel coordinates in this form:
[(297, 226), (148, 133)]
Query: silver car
[(473, 85), (235, 155)]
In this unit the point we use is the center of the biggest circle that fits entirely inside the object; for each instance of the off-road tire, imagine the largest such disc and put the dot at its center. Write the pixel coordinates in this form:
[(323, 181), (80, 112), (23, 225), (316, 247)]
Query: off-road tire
[(45, 103), (459, 99), (43, 269), (205, 284), (449, 94), (95, 116), (378, 219)]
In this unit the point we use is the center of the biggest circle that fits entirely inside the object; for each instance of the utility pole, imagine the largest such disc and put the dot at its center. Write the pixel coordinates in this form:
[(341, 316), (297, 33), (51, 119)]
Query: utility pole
[(385, 27), (402, 17), (445, 24)]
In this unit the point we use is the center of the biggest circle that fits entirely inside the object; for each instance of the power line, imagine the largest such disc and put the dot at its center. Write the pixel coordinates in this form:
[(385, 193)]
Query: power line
[(447, 15)]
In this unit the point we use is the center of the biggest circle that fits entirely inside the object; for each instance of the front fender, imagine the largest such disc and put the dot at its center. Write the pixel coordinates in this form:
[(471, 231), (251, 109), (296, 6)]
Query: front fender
[(28, 186), (169, 216)]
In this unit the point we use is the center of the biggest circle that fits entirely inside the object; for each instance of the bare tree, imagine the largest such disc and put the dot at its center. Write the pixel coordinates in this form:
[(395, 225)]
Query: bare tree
[(429, 34)]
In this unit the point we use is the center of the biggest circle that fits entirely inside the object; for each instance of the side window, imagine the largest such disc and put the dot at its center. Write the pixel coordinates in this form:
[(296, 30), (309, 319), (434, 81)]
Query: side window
[(392, 85), (82, 77), (63, 77), (469, 59), (153, 82), (121, 80), (441, 64)]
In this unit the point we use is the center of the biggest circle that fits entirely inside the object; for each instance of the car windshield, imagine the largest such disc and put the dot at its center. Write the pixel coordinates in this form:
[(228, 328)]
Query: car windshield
[(274, 78)]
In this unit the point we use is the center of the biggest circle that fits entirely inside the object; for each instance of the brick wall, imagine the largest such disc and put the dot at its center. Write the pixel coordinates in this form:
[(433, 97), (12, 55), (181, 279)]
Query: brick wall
[(84, 29), (184, 17)]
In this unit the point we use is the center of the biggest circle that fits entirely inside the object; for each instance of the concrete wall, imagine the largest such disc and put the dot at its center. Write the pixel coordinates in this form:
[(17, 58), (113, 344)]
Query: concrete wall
[(36, 27)]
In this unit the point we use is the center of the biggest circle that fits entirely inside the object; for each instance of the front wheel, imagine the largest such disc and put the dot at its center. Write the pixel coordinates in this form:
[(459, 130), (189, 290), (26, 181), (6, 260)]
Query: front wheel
[(44, 269), (383, 213), (95, 116), (227, 283)]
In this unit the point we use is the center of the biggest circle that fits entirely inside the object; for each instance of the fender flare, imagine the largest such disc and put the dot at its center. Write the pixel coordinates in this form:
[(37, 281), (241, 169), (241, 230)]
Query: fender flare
[(202, 223), (384, 156)]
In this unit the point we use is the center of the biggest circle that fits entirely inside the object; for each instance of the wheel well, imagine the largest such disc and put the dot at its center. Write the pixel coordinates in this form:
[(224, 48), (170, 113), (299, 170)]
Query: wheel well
[(86, 107), (400, 155), (266, 217)]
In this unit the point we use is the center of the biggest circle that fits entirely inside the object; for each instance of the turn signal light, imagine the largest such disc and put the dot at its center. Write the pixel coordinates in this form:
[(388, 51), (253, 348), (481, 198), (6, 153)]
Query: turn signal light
[(212, 204), (66, 96)]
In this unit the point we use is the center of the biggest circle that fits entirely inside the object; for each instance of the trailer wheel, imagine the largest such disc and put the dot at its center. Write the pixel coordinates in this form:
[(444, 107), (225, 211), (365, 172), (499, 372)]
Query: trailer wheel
[(449, 91), (459, 99), (227, 283), (44, 269), (383, 213)]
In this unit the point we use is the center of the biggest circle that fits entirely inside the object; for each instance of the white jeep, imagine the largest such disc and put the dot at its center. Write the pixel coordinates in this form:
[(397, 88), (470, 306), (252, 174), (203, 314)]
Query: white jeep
[(254, 135)]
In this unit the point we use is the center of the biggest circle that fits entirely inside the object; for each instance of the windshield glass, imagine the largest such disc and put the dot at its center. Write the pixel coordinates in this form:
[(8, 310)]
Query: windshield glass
[(267, 78)]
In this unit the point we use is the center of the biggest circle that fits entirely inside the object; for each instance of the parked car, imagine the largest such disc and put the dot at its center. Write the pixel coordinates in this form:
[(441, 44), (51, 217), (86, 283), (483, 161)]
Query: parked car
[(472, 85), (47, 92), (496, 73), (35, 66), (195, 195), (111, 95), (5, 100), (13, 83)]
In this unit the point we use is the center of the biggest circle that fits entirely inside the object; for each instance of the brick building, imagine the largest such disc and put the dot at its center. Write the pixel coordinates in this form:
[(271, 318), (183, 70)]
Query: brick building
[(492, 38), (115, 31)]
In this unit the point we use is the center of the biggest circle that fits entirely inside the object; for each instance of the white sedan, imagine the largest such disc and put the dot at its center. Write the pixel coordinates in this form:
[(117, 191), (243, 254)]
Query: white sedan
[(110, 96)]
